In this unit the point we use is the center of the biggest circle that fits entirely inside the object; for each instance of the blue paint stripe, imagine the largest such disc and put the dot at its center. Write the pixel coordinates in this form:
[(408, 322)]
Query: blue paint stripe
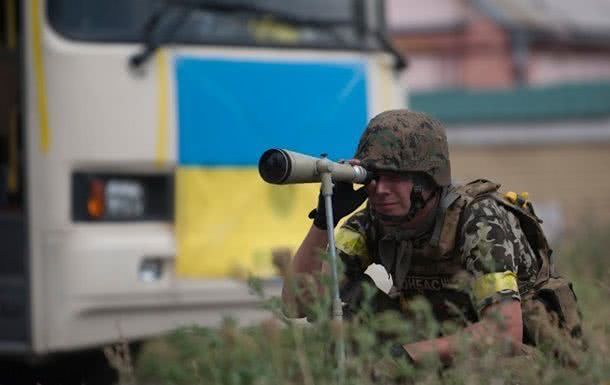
[(230, 111)]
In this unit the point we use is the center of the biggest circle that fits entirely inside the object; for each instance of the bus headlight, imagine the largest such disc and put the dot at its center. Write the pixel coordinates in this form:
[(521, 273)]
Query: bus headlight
[(118, 197)]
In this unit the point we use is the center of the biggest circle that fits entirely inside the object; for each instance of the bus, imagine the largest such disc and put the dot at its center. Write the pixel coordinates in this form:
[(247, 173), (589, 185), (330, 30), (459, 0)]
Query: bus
[(130, 201)]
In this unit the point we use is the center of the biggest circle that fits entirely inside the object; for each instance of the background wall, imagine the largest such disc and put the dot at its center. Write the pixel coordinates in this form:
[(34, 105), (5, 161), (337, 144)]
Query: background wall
[(568, 184)]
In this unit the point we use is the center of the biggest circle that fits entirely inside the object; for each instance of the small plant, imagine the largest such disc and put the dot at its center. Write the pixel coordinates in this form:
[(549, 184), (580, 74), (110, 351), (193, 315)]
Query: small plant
[(119, 358)]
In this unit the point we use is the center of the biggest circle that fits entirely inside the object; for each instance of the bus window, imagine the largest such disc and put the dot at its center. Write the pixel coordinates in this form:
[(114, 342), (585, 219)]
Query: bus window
[(296, 23)]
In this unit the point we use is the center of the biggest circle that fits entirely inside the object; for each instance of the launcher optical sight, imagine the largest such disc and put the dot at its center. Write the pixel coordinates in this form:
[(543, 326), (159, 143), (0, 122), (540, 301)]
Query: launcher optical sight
[(278, 166)]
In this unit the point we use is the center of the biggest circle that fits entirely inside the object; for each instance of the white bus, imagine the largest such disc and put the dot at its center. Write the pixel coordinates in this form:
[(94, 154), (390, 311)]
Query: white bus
[(130, 130)]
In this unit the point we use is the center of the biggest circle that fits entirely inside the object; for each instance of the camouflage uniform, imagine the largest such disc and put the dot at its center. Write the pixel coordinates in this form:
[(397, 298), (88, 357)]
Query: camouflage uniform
[(492, 261), (477, 249)]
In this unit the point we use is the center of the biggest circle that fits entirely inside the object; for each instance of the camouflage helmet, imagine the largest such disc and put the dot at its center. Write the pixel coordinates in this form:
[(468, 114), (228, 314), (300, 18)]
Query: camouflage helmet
[(406, 141)]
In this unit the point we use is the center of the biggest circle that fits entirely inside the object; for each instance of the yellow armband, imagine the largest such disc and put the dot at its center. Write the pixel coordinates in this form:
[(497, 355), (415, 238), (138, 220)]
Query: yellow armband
[(488, 285), (351, 242)]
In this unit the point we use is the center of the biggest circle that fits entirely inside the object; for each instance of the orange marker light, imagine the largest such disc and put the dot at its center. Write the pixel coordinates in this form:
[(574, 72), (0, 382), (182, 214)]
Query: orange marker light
[(95, 202)]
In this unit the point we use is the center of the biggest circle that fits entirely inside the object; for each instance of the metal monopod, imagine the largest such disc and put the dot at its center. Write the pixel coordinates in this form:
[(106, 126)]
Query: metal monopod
[(326, 189)]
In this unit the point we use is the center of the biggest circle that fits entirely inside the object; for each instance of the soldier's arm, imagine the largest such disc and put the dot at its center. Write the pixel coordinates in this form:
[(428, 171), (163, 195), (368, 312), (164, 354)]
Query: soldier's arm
[(501, 322), (302, 273)]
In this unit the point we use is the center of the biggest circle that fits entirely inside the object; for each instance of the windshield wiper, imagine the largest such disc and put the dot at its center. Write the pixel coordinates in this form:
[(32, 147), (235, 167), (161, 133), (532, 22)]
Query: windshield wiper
[(400, 62), (153, 42)]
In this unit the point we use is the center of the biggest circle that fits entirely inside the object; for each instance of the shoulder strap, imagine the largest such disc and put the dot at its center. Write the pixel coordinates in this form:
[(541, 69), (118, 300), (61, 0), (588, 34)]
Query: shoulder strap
[(452, 204), (449, 196)]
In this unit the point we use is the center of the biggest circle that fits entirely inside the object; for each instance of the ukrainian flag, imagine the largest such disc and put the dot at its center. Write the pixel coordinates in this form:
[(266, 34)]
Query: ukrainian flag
[(228, 221)]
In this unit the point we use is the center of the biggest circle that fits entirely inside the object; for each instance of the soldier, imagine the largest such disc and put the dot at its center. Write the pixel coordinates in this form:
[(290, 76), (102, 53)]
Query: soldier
[(469, 250)]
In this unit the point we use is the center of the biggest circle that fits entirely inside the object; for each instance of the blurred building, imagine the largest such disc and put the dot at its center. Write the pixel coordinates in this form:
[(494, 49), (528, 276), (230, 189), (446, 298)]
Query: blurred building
[(501, 43), (524, 89)]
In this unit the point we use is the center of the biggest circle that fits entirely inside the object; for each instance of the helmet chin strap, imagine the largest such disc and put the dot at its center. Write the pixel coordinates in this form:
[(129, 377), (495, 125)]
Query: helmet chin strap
[(417, 203)]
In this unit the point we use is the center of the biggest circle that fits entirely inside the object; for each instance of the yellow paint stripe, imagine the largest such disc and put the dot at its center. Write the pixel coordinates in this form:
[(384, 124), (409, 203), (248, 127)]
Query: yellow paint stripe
[(11, 24), (489, 284), (387, 88), (41, 91), (161, 153)]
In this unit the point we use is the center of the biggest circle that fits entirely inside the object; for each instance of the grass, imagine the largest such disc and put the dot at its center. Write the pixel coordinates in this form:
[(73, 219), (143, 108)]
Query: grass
[(584, 258), (280, 351)]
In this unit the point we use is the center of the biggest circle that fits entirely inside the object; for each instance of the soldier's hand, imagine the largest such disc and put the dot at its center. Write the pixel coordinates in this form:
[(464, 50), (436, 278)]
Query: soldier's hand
[(345, 200)]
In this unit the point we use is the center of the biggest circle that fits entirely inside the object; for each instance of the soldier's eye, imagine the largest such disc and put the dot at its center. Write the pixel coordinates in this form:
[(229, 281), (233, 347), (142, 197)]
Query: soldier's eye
[(390, 176)]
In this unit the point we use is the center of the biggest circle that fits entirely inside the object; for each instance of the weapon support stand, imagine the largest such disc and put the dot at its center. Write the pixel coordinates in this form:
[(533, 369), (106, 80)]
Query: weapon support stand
[(326, 189)]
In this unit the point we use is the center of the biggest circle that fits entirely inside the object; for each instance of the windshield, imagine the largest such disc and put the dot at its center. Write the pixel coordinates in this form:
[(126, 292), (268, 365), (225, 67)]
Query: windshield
[(330, 24)]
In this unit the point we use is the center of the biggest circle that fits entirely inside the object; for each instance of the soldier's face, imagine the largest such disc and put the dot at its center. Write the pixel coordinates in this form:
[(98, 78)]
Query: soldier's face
[(390, 193)]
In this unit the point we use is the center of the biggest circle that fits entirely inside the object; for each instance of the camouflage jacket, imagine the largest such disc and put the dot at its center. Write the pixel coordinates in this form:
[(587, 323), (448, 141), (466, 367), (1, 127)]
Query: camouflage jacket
[(486, 259)]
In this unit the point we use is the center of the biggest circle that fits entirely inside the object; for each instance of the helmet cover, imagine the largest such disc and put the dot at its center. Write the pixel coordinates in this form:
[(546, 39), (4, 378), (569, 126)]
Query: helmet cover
[(406, 141)]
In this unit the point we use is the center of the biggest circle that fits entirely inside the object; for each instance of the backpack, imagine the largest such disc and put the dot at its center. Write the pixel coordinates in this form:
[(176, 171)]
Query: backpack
[(551, 317)]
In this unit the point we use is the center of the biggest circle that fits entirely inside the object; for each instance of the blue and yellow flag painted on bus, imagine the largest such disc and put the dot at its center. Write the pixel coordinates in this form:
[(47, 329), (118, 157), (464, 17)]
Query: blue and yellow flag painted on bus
[(230, 111)]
